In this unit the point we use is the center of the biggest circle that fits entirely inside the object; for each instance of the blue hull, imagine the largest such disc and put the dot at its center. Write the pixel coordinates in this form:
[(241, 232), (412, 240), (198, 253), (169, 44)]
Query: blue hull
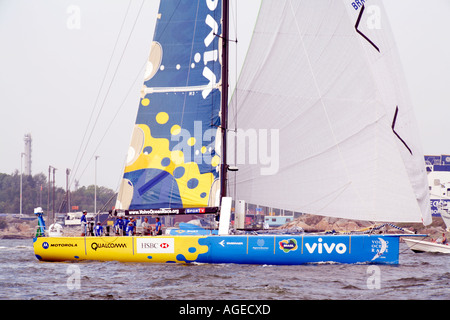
[(298, 249)]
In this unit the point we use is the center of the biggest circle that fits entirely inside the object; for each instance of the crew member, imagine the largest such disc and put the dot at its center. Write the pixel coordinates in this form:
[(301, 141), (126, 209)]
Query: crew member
[(158, 227), (98, 229), (83, 223)]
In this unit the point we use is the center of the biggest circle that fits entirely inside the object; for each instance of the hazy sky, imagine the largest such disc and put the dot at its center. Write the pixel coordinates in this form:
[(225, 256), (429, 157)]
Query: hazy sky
[(54, 55)]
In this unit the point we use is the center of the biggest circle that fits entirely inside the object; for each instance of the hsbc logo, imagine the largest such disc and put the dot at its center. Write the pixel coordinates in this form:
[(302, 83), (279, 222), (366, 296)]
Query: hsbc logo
[(155, 245), (164, 245)]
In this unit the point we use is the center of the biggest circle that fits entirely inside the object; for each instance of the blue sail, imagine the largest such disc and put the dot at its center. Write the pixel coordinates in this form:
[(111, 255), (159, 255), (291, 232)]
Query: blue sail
[(172, 161)]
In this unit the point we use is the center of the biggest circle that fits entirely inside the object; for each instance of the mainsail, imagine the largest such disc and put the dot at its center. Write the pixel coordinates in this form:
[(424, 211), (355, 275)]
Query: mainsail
[(173, 161), (324, 115)]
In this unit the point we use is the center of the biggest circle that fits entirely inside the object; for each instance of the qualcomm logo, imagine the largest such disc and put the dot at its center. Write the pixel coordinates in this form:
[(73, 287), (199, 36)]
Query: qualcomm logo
[(340, 248)]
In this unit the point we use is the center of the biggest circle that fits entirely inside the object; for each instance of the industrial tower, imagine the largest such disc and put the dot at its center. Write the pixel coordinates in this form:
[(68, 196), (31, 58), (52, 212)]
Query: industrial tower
[(27, 154)]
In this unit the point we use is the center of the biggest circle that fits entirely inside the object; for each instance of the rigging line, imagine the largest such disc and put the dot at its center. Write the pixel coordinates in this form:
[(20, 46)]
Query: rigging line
[(115, 116), (103, 82), (110, 84), (187, 81), (168, 21), (119, 182), (234, 15)]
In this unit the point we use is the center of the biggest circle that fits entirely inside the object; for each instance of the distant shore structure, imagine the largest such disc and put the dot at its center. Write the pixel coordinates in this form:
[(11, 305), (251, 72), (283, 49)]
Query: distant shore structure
[(438, 169), (27, 153)]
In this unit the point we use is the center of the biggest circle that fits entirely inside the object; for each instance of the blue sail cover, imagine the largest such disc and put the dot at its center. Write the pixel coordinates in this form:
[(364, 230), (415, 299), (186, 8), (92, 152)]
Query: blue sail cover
[(172, 161)]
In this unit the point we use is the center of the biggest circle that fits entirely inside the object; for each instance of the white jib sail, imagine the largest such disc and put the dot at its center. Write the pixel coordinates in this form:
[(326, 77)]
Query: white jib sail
[(324, 122)]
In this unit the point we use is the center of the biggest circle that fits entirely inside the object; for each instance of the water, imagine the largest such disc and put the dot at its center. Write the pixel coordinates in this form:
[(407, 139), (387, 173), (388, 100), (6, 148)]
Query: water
[(22, 277)]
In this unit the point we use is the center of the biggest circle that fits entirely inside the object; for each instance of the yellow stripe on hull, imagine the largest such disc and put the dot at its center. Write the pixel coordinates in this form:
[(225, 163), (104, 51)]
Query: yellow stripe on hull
[(161, 249)]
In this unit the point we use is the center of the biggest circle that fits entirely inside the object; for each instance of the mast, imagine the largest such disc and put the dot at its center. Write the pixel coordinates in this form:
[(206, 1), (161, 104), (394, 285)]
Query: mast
[(224, 110)]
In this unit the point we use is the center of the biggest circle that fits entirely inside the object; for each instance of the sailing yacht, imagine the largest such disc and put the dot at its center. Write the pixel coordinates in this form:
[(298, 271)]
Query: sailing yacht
[(321, 124)]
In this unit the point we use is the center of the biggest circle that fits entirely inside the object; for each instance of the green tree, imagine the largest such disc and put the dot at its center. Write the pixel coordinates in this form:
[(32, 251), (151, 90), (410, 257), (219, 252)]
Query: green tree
[(37, 194), (84, 197)]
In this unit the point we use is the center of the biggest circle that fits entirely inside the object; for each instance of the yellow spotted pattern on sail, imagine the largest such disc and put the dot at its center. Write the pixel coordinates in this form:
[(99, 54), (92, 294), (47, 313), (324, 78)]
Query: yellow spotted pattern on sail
[(192, 196)]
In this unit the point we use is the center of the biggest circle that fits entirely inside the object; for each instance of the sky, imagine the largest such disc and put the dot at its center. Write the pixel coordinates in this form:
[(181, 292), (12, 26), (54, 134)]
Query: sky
[(68, 75)]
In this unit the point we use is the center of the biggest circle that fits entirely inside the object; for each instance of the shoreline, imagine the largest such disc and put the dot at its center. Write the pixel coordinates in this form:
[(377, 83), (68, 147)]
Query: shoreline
[(13, 228)]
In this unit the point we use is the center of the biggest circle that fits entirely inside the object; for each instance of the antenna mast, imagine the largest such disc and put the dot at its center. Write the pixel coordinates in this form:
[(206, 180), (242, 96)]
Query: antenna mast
[(27, 153)]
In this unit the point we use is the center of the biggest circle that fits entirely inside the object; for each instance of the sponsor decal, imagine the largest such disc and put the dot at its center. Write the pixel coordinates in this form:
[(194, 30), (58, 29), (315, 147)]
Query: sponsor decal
[(95, 245), (196, 210), (320, 247), (155, 245), (379, 247), (288, 245), (224, 243), (153, 211), (260, 245), (170, 211), (46, 245), (358, 4), (437, 205)]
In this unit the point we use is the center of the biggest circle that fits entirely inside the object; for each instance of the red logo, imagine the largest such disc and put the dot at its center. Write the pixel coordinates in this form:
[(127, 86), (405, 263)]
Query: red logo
[(201, 210), (164, 245)]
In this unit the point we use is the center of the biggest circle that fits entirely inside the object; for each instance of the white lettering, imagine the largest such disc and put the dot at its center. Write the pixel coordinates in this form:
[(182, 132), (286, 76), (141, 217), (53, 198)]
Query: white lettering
[(274, 159), (212, 4), (196, 310), (74, 20), (242, 146), (245, 143), (74, 279), (240, 309), (329, 249), (340, 248), (214, 28), (208, 74), (311, 248), (374, 19), (212, 55), (209, 56), (374, 280)]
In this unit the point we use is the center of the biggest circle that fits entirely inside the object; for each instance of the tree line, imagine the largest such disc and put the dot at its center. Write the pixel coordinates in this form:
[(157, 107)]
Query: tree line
[(36, 193)]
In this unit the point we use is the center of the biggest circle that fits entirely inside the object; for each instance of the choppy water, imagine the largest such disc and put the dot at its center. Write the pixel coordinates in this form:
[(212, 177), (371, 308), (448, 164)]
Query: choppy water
[(419, 276)]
